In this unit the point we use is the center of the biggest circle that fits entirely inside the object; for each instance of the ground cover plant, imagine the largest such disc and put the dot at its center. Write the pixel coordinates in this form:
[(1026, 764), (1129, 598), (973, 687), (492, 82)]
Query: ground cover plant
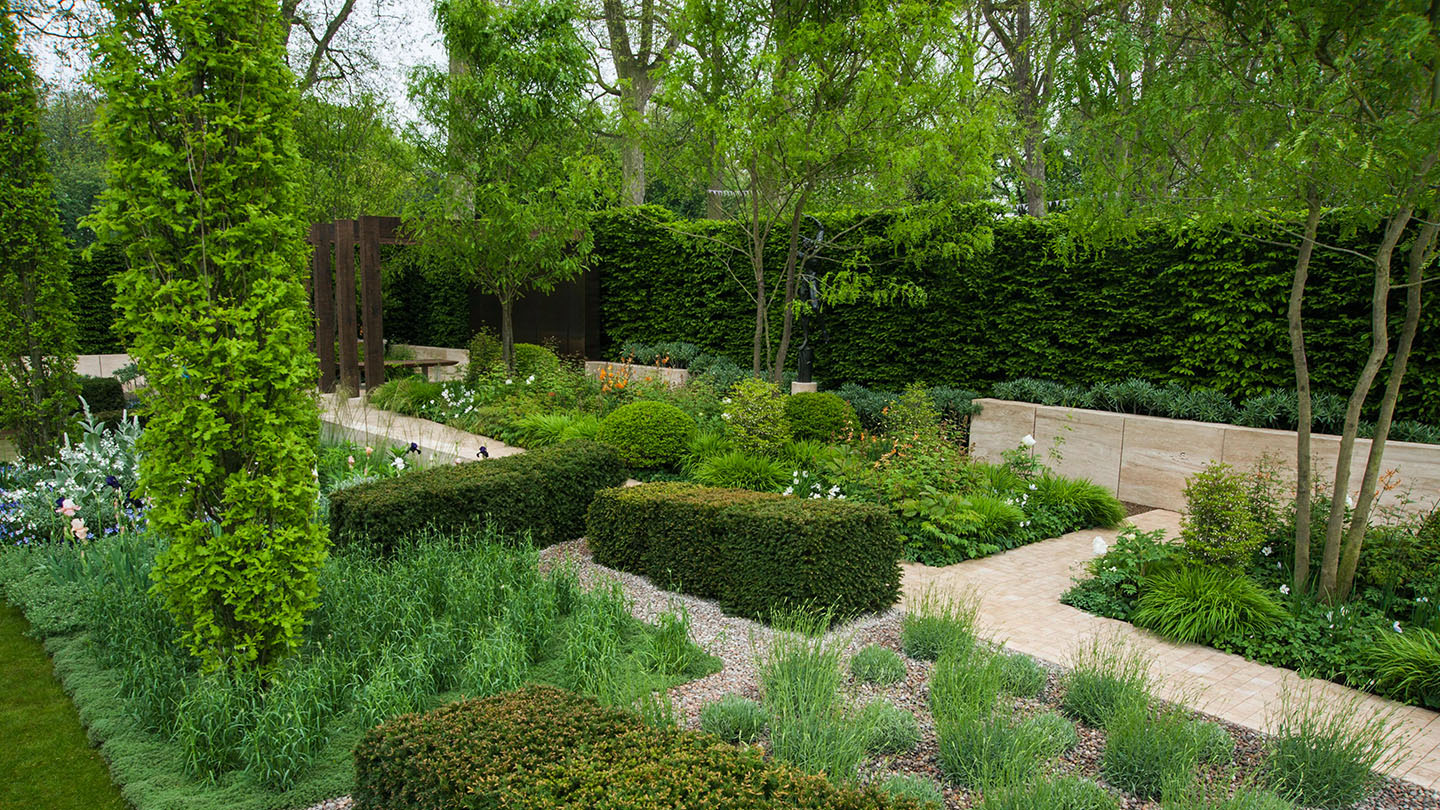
[(1227, 583), (442, 617)]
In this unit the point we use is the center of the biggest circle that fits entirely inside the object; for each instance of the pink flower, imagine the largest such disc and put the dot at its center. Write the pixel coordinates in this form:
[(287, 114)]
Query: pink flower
[(67, 508), (350, 460), (79, 528)]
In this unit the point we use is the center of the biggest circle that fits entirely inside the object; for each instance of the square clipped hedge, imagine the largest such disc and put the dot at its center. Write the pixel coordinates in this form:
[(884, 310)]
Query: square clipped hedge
[(544, 492), (753, 552), (541, 748)]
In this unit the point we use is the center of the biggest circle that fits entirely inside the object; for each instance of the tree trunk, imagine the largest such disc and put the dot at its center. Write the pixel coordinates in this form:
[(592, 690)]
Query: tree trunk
[(632, 151), (507, 332), (1294, 316), (1034, 168), (1420, 256), (792, 258), (713, 203), (1379, 347)]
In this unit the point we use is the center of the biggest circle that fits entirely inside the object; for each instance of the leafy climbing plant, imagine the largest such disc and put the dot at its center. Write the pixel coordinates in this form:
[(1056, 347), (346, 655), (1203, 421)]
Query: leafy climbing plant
[(199, 123)]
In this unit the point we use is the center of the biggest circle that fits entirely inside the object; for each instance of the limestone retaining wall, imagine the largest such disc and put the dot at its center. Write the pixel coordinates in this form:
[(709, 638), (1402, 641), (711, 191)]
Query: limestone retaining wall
[(1146, 459)]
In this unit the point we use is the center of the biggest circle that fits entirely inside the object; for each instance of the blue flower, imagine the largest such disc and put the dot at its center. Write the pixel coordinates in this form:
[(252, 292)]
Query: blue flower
[(414, 448), (112, 482)]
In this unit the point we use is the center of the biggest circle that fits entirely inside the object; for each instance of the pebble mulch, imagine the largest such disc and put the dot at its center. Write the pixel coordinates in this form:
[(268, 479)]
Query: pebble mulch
[(739, 642)]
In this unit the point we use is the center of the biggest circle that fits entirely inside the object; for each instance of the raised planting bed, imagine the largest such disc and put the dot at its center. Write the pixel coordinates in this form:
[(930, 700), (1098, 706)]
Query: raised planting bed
[(1146, 459)]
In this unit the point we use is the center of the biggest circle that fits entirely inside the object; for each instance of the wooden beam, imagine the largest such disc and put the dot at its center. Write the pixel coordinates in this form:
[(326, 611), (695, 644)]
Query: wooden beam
[(345, 305), (370, 302), (322, 281)]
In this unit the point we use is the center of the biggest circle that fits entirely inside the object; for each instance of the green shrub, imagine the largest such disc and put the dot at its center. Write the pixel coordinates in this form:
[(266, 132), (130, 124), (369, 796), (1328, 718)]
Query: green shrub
[(1024, 677), (1212, 741), (1083, 503), (532, 359), (648, 434), (102, 394), (669, 651), (755, 417), (544, 429), (912, 416), (1053, 793), (1201, 604), (1105, 678), (740, 470), (543, 493), (542, 747), (485, 351), (819, 415), (915, 788), (938, 622), (1407, 665), (733, 718), (869, 405), (954, 404), (889, 728), (1057, 732), (1149, 754), (1326, 754), (1220, 526), (753, 552), (878, 665)]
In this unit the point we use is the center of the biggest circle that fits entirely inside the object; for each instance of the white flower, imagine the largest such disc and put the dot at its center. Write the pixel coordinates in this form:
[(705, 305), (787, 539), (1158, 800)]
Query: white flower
[(1032, 486), (1349, 502), (1285, 589), (509, 381), (315, 473), (1099, 546), (1267, 551), (398, 463), (725, 416), (1277, 564), (725, 401), (788, 491), (530, 379), (1396, 627), (1028, 440)]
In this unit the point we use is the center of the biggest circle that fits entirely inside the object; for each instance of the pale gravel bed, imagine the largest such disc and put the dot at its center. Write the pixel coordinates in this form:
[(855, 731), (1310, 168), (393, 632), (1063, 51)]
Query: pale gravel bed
[(737, 642)]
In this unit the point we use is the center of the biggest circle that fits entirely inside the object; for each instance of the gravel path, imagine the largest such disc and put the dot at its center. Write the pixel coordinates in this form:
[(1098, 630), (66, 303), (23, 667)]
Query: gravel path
[(739, 642)]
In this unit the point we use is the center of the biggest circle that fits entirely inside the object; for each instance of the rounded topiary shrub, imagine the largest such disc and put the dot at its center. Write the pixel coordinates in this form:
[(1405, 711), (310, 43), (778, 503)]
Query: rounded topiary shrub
[(648, 434), (819, 415), (533, 359)]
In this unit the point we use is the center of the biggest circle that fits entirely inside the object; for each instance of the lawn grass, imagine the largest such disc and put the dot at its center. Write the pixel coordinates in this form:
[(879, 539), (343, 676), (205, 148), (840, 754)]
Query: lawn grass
[(42, 733)]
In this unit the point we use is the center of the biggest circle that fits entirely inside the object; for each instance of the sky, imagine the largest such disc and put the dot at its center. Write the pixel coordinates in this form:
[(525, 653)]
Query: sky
[(401, 34)]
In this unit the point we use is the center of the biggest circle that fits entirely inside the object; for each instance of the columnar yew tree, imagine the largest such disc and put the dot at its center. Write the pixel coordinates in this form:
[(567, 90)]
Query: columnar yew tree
[(199, 122), (37, 328), (511, 132)]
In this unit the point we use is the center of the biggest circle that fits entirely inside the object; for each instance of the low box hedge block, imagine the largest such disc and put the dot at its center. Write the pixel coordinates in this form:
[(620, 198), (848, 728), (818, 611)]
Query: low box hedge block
[(752, 552), (544, 492), (541, 748)]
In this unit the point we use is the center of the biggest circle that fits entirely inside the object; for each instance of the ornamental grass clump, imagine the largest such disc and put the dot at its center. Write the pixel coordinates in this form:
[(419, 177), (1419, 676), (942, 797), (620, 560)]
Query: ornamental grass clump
[(877, 665), (1023, 676), (734, 718), (1327, 753), (1150, 753), (1202, 604), (1407, 665), (800, 678), (1106, 678), (937, 623), (1053, 793), (916, 788), (889, 728)]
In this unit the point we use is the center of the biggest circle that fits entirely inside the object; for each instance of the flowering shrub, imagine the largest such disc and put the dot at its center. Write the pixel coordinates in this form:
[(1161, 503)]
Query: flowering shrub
[(755, 417), (1221, 525), (87, 491)]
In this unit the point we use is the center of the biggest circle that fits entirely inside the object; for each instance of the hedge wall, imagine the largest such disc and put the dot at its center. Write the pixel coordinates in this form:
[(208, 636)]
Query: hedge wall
[(544, 492), (543, 748), (1208, 312), (753, 552), (95, 299)]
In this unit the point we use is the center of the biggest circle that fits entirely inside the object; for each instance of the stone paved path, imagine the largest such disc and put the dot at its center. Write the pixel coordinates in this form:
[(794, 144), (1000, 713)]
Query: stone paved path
[(356, 421), (1020, 605)]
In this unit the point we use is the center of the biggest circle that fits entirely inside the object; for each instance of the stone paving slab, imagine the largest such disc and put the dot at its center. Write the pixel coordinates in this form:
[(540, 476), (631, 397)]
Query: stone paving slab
[(353, 419), (1019, 593)]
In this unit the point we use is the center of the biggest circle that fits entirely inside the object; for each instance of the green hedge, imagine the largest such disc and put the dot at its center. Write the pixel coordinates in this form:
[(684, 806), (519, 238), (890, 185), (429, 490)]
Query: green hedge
[(544, 492), (1208, 312), (543, 748), (752, 552), (102, 394), (94, 299)]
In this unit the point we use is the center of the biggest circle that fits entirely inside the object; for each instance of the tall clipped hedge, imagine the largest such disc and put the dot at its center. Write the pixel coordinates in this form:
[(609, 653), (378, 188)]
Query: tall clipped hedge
[(37, 332), (1208, 311), (90, 275), (203, 193)]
